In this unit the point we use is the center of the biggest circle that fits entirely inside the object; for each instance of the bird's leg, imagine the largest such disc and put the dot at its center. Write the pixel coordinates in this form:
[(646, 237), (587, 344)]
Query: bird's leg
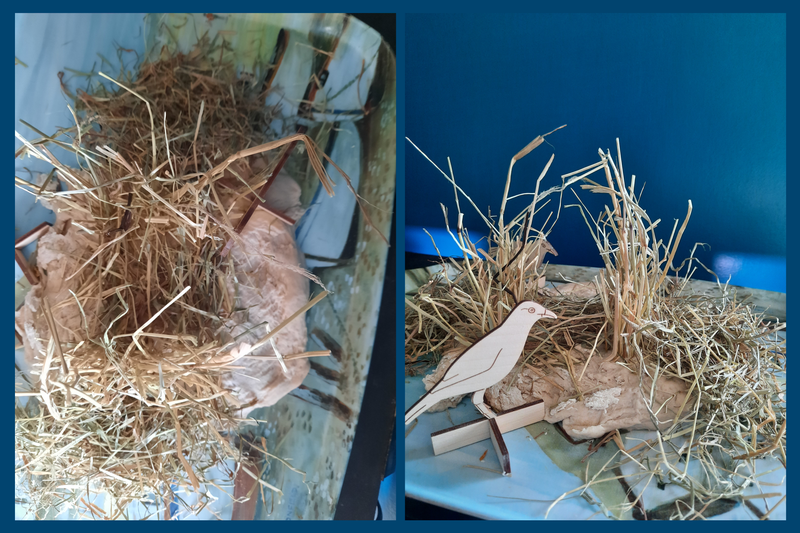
[(485, 410)]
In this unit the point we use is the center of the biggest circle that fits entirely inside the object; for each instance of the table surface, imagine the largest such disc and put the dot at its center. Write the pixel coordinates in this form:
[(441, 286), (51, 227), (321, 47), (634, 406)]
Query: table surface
[(449, 481)]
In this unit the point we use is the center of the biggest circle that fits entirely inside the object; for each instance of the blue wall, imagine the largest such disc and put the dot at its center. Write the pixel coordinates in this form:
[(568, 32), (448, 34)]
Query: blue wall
[(698, 102)]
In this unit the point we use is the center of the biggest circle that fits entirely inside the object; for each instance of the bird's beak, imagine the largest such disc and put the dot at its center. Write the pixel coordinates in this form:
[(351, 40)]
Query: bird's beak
[(549, 314)]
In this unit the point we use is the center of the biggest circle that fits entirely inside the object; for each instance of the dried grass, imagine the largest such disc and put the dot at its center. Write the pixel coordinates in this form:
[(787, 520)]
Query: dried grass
[(132, 406), (731, 360)]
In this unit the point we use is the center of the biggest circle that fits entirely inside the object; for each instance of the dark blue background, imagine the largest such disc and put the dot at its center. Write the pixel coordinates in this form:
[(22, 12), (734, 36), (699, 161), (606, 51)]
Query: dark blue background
[(698, 102)]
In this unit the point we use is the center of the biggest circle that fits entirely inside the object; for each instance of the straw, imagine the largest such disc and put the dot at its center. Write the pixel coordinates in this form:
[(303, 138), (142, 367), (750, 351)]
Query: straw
[(731, 361), (131, 404)]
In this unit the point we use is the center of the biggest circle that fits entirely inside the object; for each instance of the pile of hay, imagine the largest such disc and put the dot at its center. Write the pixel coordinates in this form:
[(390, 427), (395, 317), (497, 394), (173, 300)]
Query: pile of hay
[(642, 311), (126, 398)]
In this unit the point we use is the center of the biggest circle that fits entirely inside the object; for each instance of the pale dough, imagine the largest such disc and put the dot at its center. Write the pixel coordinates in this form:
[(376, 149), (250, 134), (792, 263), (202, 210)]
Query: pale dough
[(612, 398), (264, 281)]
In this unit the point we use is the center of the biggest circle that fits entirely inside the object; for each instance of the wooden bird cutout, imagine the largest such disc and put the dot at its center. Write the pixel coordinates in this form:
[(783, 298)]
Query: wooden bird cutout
[(486, 362)]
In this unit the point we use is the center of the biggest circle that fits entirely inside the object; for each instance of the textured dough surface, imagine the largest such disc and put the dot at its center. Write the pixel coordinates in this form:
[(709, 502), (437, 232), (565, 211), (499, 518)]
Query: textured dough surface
[(612, 398), (59, 254), (267, 291), (264, 283), (266, 286)]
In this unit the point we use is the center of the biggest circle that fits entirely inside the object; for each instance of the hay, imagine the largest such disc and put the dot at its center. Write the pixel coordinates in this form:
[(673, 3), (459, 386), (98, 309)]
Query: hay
[(731, 360), (130, 403)]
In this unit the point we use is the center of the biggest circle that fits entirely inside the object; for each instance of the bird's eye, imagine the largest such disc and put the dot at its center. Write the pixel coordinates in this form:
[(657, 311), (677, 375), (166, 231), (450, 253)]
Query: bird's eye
[(531, 310)]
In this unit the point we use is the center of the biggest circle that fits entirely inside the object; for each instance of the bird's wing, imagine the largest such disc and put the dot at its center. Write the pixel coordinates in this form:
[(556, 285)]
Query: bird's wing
[(467, 374), (473, 355)]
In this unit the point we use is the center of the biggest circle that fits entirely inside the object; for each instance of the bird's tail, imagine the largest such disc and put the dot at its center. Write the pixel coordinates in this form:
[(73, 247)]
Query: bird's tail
[(427, 401)]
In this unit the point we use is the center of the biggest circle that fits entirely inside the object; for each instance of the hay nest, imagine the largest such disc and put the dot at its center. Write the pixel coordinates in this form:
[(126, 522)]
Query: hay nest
[(642, 311), (126, 397)]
